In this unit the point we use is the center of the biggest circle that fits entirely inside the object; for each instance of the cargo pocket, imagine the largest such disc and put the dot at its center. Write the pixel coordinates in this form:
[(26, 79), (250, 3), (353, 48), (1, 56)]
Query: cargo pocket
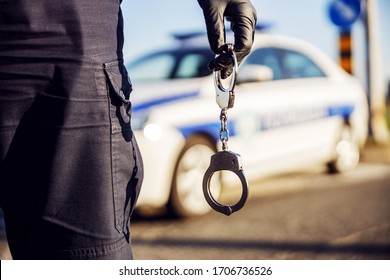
[(125, 159)]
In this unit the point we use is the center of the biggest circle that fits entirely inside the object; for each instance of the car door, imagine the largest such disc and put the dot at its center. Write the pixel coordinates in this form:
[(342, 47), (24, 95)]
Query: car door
[(283, 122)]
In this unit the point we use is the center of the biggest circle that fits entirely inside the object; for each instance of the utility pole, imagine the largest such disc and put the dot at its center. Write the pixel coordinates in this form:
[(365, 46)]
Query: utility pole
[(376, 87), (345, 50)]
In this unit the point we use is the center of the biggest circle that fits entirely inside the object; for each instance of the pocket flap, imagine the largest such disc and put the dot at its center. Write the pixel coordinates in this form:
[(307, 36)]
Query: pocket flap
[(119, 80)]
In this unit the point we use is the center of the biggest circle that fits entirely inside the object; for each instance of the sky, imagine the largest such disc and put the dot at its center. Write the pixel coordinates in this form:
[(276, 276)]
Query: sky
[(150, 23)]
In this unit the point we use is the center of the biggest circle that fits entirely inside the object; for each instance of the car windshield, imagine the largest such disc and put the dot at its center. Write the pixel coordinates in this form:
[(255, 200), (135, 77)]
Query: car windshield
[(172, 64)]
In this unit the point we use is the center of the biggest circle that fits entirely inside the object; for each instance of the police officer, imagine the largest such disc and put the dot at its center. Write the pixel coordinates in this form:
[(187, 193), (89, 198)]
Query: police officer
[(71, 169)]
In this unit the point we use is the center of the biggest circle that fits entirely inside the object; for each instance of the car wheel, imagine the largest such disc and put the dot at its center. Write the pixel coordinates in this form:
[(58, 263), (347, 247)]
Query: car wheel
[(187, 197), (347, 152)]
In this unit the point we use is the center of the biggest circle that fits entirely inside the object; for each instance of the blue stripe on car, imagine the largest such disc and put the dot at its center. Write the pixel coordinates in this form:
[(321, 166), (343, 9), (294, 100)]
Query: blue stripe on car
[(163, 101), (344, 111), (213, 128)]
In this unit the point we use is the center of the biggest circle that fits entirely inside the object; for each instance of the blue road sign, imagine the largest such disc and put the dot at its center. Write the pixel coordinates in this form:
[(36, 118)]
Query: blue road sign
[(344, 13)]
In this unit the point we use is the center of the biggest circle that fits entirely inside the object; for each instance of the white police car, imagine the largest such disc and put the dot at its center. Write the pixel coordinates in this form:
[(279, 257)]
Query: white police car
[(294, 107)]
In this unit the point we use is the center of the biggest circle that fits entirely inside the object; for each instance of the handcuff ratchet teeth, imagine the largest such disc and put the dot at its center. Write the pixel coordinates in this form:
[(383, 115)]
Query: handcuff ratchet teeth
[(225, 160)]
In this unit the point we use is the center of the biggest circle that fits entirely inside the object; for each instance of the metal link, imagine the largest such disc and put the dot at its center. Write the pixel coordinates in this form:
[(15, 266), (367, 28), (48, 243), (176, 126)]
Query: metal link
[(224, 131)]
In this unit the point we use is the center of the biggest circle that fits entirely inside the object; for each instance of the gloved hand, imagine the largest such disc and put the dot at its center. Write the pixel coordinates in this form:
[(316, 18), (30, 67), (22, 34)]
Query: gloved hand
[(242, 16)]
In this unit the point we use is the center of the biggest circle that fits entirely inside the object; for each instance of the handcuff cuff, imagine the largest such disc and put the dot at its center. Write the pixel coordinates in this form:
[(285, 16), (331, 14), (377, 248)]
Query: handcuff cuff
[(225, 159)]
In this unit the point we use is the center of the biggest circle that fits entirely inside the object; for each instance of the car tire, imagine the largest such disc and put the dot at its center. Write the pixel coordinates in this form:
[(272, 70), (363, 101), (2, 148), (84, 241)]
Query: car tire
[(346, 152), (187, 197)]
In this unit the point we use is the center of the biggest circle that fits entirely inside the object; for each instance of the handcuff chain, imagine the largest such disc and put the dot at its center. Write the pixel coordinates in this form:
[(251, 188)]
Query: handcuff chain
[(224, 131)]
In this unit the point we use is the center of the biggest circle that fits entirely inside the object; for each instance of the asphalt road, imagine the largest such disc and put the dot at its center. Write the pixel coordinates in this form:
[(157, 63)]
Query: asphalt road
[(304, 215), (298, 216)]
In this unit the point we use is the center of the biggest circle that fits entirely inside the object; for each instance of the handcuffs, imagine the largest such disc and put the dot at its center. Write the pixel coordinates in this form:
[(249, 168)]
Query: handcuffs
[(225, 159)]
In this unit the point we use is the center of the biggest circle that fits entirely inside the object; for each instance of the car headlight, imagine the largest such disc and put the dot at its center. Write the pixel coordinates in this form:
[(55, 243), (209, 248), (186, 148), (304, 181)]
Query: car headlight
[(153, 132)]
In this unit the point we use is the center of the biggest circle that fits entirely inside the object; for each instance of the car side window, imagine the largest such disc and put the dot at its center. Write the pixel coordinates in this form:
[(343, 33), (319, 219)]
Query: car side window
[(267, 57), (285, 64), (297, 65)]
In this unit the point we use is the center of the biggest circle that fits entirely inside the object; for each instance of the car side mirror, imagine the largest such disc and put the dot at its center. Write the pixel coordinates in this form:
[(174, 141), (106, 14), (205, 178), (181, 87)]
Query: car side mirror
[(254, 74)]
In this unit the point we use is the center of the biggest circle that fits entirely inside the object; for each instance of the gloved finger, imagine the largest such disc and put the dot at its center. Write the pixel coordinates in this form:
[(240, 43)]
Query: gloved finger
[(214, 17), (243, 21)]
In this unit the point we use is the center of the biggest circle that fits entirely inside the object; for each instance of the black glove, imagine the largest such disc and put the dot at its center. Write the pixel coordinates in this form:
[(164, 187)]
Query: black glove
[(242, 16)]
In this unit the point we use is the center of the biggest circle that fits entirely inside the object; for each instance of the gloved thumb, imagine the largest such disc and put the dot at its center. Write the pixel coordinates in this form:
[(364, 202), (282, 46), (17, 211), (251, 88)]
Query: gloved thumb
[(223, 62)]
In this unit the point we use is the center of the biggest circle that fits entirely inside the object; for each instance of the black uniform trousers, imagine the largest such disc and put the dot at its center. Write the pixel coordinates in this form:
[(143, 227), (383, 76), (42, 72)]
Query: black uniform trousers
[(71, 170)]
